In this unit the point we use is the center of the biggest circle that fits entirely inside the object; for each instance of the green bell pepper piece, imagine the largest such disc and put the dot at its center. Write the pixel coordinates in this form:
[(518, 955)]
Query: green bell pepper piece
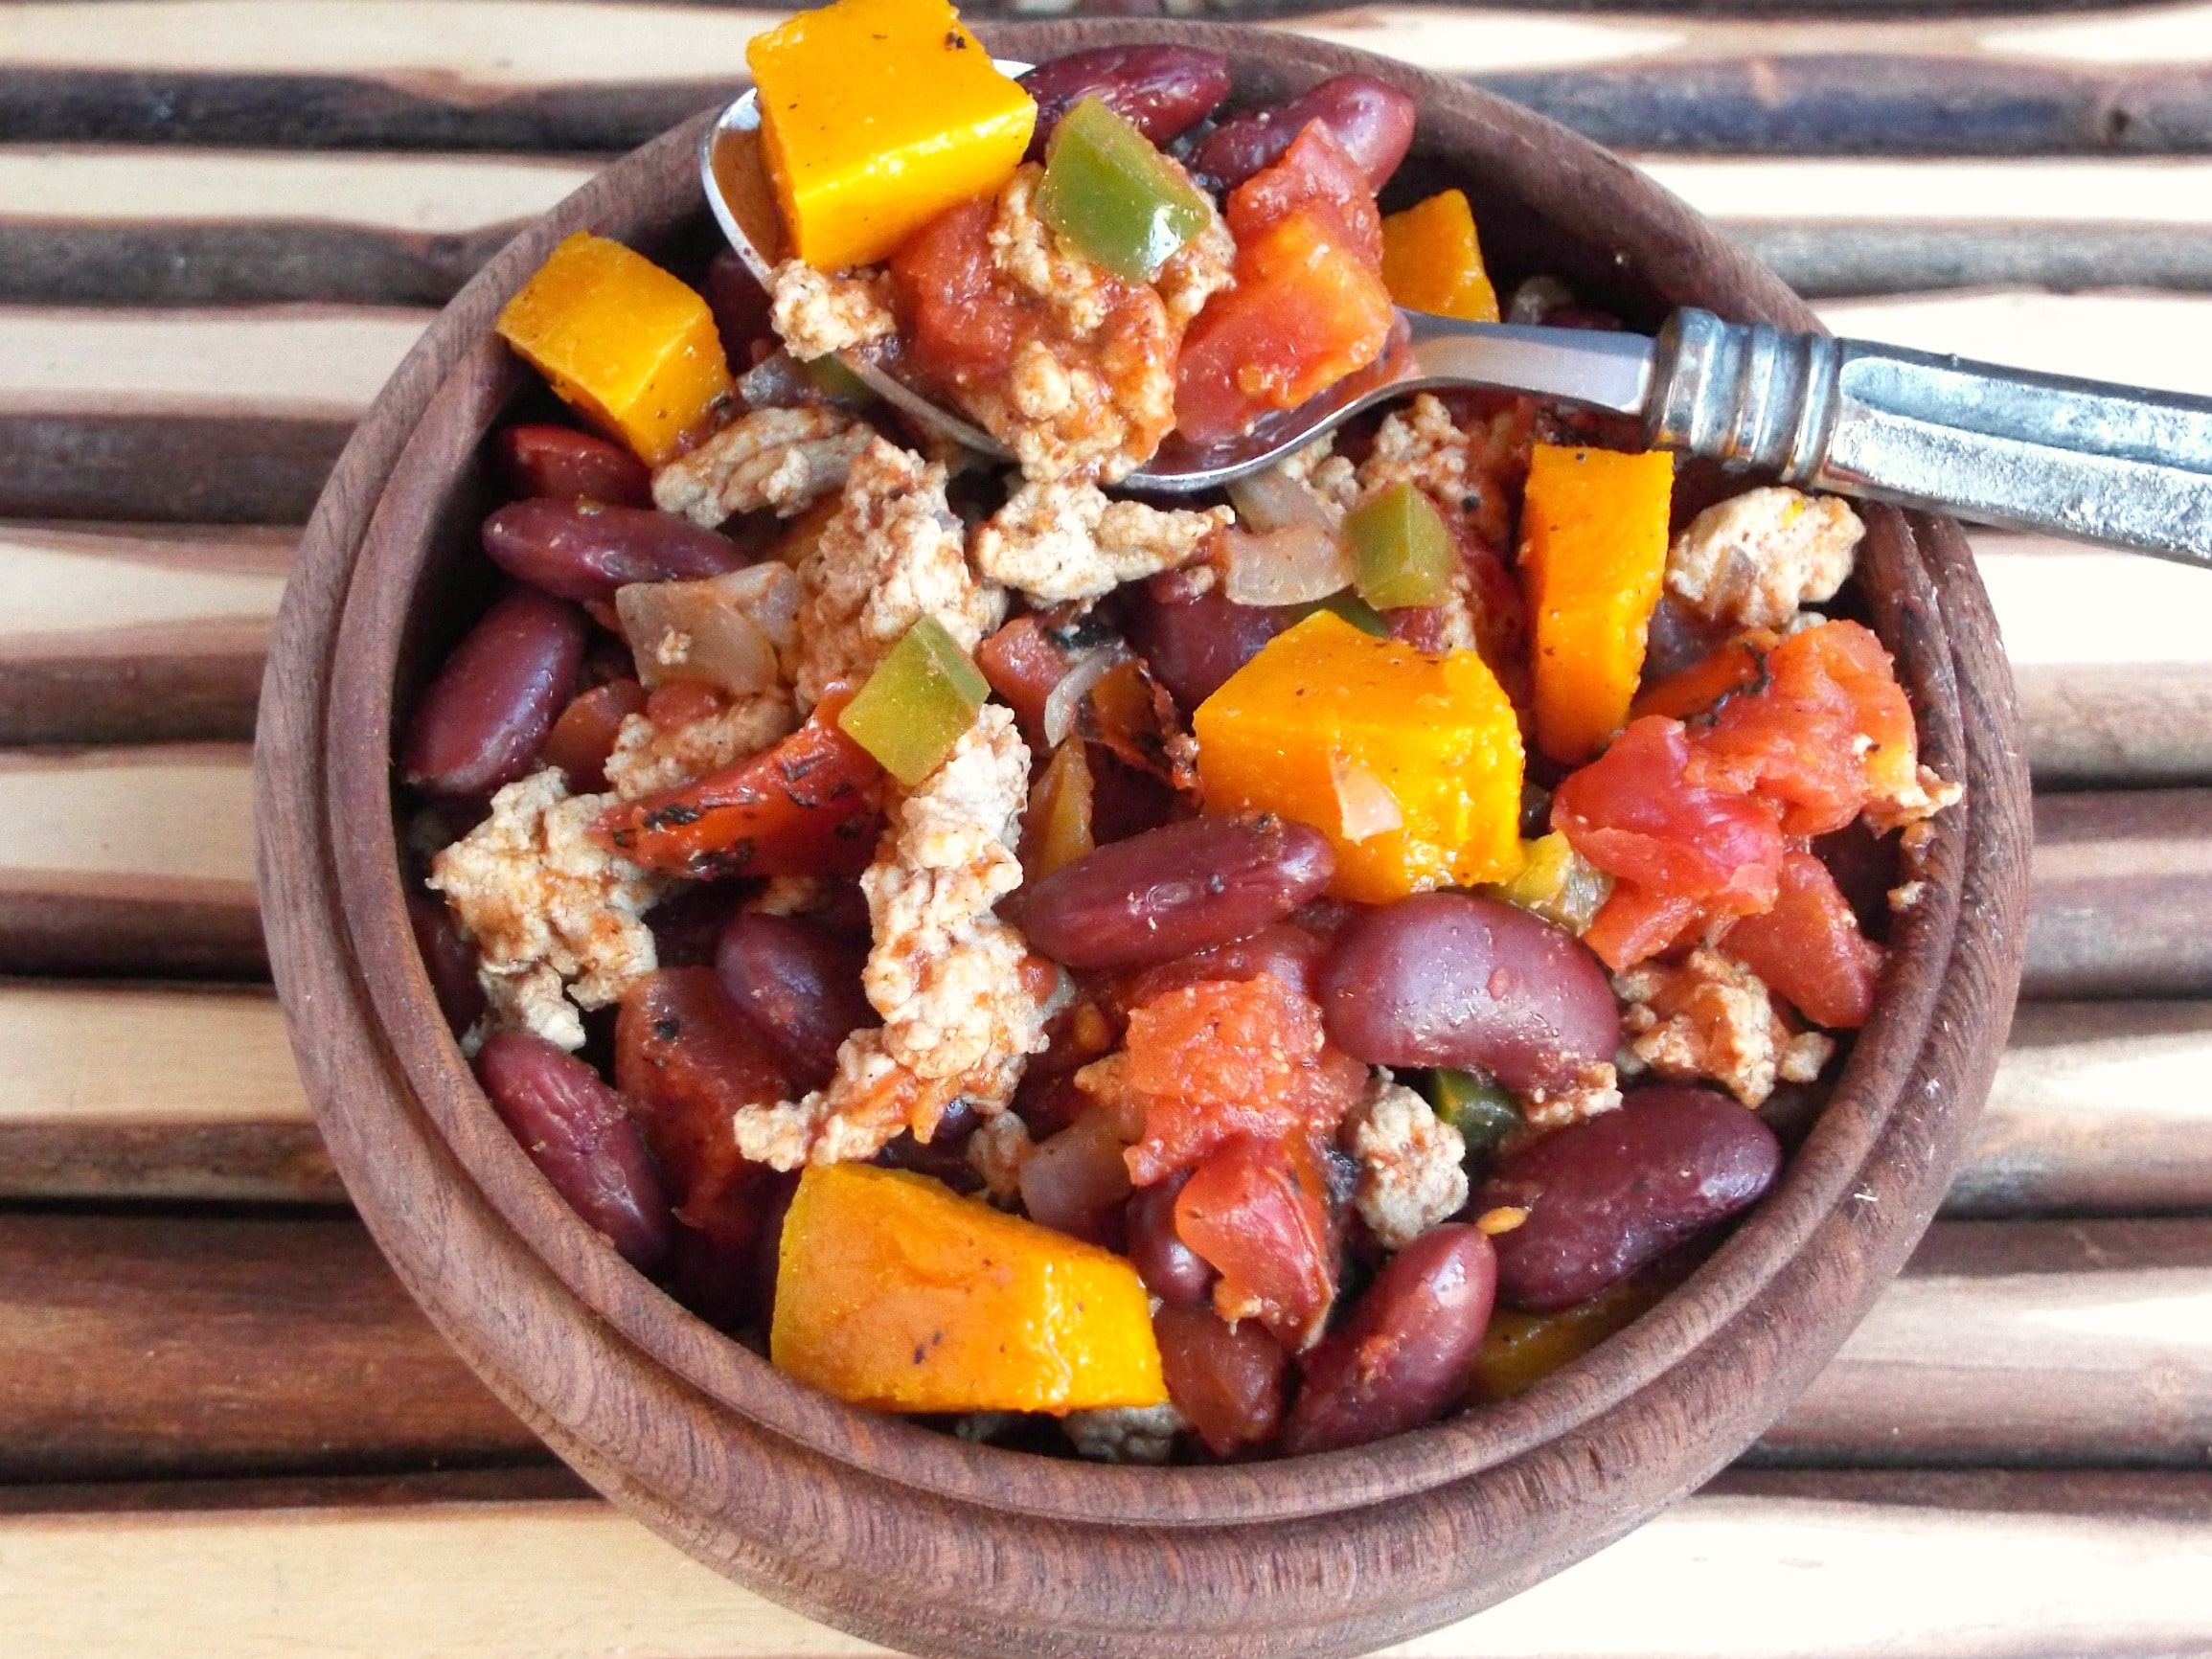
[(1350, 606), (1400, 549), (1117, 198), (1482, 1112), (1557, 884), (916, 705)]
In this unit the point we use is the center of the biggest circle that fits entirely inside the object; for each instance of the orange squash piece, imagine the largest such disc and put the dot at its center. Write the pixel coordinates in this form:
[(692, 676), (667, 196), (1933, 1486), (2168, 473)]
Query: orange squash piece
[(1433, 262), (1593, 555), (894, 1292), (1345, 732), (876, 115), (626, 345)]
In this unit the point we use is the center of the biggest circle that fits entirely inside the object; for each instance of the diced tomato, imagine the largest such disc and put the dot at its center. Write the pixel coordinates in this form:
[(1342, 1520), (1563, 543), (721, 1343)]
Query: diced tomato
[(1134, 715), (688, 1059), (680, 702), (1809, 949), (1635, 813), (806, 807), (1023, 664), (1803, 739), (1316, 171), (1634, 923), (1738, 666), (1309, 307), (1256, 1209), (1225, 1058), (1305, 312), (957, 328)]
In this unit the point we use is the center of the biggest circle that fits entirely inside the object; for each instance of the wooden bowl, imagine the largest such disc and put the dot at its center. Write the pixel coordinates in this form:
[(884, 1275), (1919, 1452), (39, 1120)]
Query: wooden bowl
[(912, 1538)]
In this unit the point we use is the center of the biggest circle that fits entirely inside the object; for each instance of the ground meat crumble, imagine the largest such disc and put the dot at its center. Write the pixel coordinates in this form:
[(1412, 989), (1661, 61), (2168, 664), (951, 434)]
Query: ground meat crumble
[(962, 1006), (780, 459), (648, 758), (555, 917), (1754, 559), (815, 313), (1412, 1172), (890, 555), (1068, 541), (1709, 1016)]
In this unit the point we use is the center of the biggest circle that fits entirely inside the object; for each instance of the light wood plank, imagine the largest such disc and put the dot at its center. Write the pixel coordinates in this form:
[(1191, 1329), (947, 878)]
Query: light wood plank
[(137, 859), (143, 1092), (1720, 1575), (132, 633)]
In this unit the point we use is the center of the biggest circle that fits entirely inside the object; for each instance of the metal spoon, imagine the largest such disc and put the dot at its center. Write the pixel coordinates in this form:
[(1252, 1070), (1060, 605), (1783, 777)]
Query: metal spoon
[(2081, 458)]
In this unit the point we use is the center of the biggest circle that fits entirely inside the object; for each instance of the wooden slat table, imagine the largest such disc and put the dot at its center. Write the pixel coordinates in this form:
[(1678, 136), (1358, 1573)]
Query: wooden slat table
[(224, 1429)]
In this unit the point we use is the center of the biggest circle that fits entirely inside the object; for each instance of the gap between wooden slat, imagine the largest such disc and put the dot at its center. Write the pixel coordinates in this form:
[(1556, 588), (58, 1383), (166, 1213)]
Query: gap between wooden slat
[(1721, 1574)]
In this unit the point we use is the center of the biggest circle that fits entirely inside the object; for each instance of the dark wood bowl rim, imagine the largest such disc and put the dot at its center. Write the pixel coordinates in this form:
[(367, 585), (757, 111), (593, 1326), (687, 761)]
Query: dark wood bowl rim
[(326, 774)]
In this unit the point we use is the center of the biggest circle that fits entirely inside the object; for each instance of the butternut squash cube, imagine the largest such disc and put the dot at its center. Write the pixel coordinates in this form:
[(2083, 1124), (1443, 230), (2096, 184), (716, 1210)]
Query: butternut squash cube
[(894, 1292), (626, 345), (1433, 262), (1593, 555), (1409, 763), (876, 115)]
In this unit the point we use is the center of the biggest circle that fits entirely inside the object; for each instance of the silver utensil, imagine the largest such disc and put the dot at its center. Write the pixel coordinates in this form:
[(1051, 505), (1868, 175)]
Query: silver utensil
[(2101, 463)]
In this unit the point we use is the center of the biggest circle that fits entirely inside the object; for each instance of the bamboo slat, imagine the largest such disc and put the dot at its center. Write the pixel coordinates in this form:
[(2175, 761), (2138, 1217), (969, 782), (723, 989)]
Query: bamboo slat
[(1826, 1565), (133, 860), (2123, 896), (538, 73), (134, 633)]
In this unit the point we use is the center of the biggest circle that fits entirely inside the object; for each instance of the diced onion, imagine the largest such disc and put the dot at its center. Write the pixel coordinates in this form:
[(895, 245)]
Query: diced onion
[(1365, 807), (1063, 704), (723, 631), (1299, 564), (1274, 500)]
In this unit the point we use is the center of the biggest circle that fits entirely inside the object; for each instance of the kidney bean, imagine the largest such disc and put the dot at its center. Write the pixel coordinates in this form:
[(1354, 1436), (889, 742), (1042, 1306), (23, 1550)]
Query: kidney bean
[(943, 1156), (578, 1133), (561, 463), (1226, 1379), (800, 983), (1446, 979), (586, 551), (1179, 887), (1405, 1353), (686, 925), (449, 960), (1195, 645), (1677, 637), (583, 736), (1162, 91), (481, 719), (1076, 1180), (1370, 118), (1614, 1192), (1171, 1269)]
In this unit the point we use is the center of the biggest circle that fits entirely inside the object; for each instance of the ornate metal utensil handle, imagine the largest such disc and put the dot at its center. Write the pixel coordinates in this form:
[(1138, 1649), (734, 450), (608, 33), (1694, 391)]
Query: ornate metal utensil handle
[(2034, 451)]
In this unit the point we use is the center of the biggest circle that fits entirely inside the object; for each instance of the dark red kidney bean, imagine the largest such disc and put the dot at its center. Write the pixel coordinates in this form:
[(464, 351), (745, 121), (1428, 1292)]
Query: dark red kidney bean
[(1677, 637), (585, 550), (1226, 1379), (739, 306), (1162, 91), (481, 719), (1288, 952), (1404, 1355), (1610, 1194), (1446, 979), (1195, 645), (943, 1156), (1076, 1181), (1865, 868), (564, 465), (449, 960), (686, 925), (578, 1133), (798, 982), (1171, 1269), (1370, 118), (1179, 887)]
